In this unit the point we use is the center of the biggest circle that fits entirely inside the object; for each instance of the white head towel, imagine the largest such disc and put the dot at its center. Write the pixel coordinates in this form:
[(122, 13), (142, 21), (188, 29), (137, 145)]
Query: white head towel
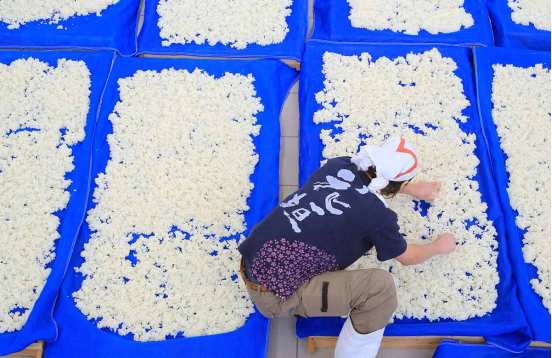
[(395, 160)]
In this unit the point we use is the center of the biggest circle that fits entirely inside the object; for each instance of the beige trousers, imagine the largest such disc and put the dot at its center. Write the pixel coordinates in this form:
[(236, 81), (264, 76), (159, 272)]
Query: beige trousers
[(368, 296)]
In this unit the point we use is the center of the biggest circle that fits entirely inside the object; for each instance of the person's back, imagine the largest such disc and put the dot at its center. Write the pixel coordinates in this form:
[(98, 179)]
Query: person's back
[(325, 226)]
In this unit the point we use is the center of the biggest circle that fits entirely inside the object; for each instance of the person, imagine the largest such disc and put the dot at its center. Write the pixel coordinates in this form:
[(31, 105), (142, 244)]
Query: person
[(294, 260)]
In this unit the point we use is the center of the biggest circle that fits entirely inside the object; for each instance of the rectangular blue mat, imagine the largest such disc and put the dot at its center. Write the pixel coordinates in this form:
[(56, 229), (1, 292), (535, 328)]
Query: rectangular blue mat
[(331, 22), (453, 349), (509, 34), (115, 30), (80, 337), (149, 40), (506, 324), (40, 324), (537, 315)]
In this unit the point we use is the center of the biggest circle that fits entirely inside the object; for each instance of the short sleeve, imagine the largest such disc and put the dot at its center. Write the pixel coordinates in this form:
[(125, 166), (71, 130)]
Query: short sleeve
[(388, 241)]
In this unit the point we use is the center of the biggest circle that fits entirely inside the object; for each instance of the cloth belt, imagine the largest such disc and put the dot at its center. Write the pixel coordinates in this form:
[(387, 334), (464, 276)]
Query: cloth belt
[(251, 285)]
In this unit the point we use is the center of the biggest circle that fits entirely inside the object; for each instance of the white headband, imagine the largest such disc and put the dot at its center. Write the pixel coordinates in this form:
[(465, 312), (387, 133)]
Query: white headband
[(395, 160)]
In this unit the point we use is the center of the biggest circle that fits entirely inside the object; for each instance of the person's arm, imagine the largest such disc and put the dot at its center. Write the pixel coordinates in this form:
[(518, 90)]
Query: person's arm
[(416, 254), (422, 190)]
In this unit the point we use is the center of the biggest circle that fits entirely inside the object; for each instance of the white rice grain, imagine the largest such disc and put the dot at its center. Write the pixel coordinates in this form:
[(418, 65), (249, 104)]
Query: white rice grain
[(419, 97), (43, 112), (182, 153)]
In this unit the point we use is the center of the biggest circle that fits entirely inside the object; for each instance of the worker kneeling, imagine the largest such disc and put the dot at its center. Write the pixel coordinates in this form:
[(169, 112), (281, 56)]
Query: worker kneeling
[(293, 261)]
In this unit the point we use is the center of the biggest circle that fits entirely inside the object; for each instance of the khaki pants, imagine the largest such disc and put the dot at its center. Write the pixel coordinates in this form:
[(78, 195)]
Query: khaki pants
[(368, 296)]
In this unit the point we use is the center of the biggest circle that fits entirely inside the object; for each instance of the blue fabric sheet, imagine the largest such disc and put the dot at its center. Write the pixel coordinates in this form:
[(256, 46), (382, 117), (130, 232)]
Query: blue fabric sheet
[(40, 324), (453, 349), (537, 315), (505, 325), (149, 40), (331, 22), (115, 29), (509, 34), (80, 337)]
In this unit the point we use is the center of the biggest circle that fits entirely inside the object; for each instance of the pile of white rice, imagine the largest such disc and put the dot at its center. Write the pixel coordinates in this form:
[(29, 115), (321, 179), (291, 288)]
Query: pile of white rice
[(182, 153), (419, 97), (521, 112), (236, 23), (410, 16), (526, 12), (19, 12), (43, 112)]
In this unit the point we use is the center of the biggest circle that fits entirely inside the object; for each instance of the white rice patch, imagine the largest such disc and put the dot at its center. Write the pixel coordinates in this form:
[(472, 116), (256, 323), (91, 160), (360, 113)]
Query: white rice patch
[(19, 12), (182, 153), (521, 112), (236, 23), (410, 16), (373, 99), (33, 165), (527, 12)]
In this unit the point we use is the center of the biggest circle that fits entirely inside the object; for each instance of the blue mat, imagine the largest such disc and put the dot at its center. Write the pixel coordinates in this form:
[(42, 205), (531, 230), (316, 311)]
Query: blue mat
[(40, 325), (506, 325), (509, 34), (149, 40), (331, 22), (115, 30), (537, 315), (80, 337), (453, 349)]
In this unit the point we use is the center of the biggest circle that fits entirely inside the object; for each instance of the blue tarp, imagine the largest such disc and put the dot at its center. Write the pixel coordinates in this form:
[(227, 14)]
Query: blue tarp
[(537, 315), (506, 325), (453, 349), (149, 40), (80, 337), (509, 34), (115, 29), (40, 325), (331, 22)]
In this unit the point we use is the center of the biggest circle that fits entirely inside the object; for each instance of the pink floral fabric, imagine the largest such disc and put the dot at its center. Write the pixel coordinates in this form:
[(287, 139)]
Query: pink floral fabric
[(283, 265)]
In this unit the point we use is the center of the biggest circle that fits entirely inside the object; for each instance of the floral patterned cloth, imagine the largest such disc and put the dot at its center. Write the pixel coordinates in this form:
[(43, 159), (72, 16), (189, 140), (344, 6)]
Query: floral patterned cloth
[(283, 265)]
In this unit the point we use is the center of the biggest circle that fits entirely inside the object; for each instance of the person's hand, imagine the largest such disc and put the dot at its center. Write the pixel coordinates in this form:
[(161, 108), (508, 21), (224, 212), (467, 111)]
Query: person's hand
[(423, 190), (444, 244)]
